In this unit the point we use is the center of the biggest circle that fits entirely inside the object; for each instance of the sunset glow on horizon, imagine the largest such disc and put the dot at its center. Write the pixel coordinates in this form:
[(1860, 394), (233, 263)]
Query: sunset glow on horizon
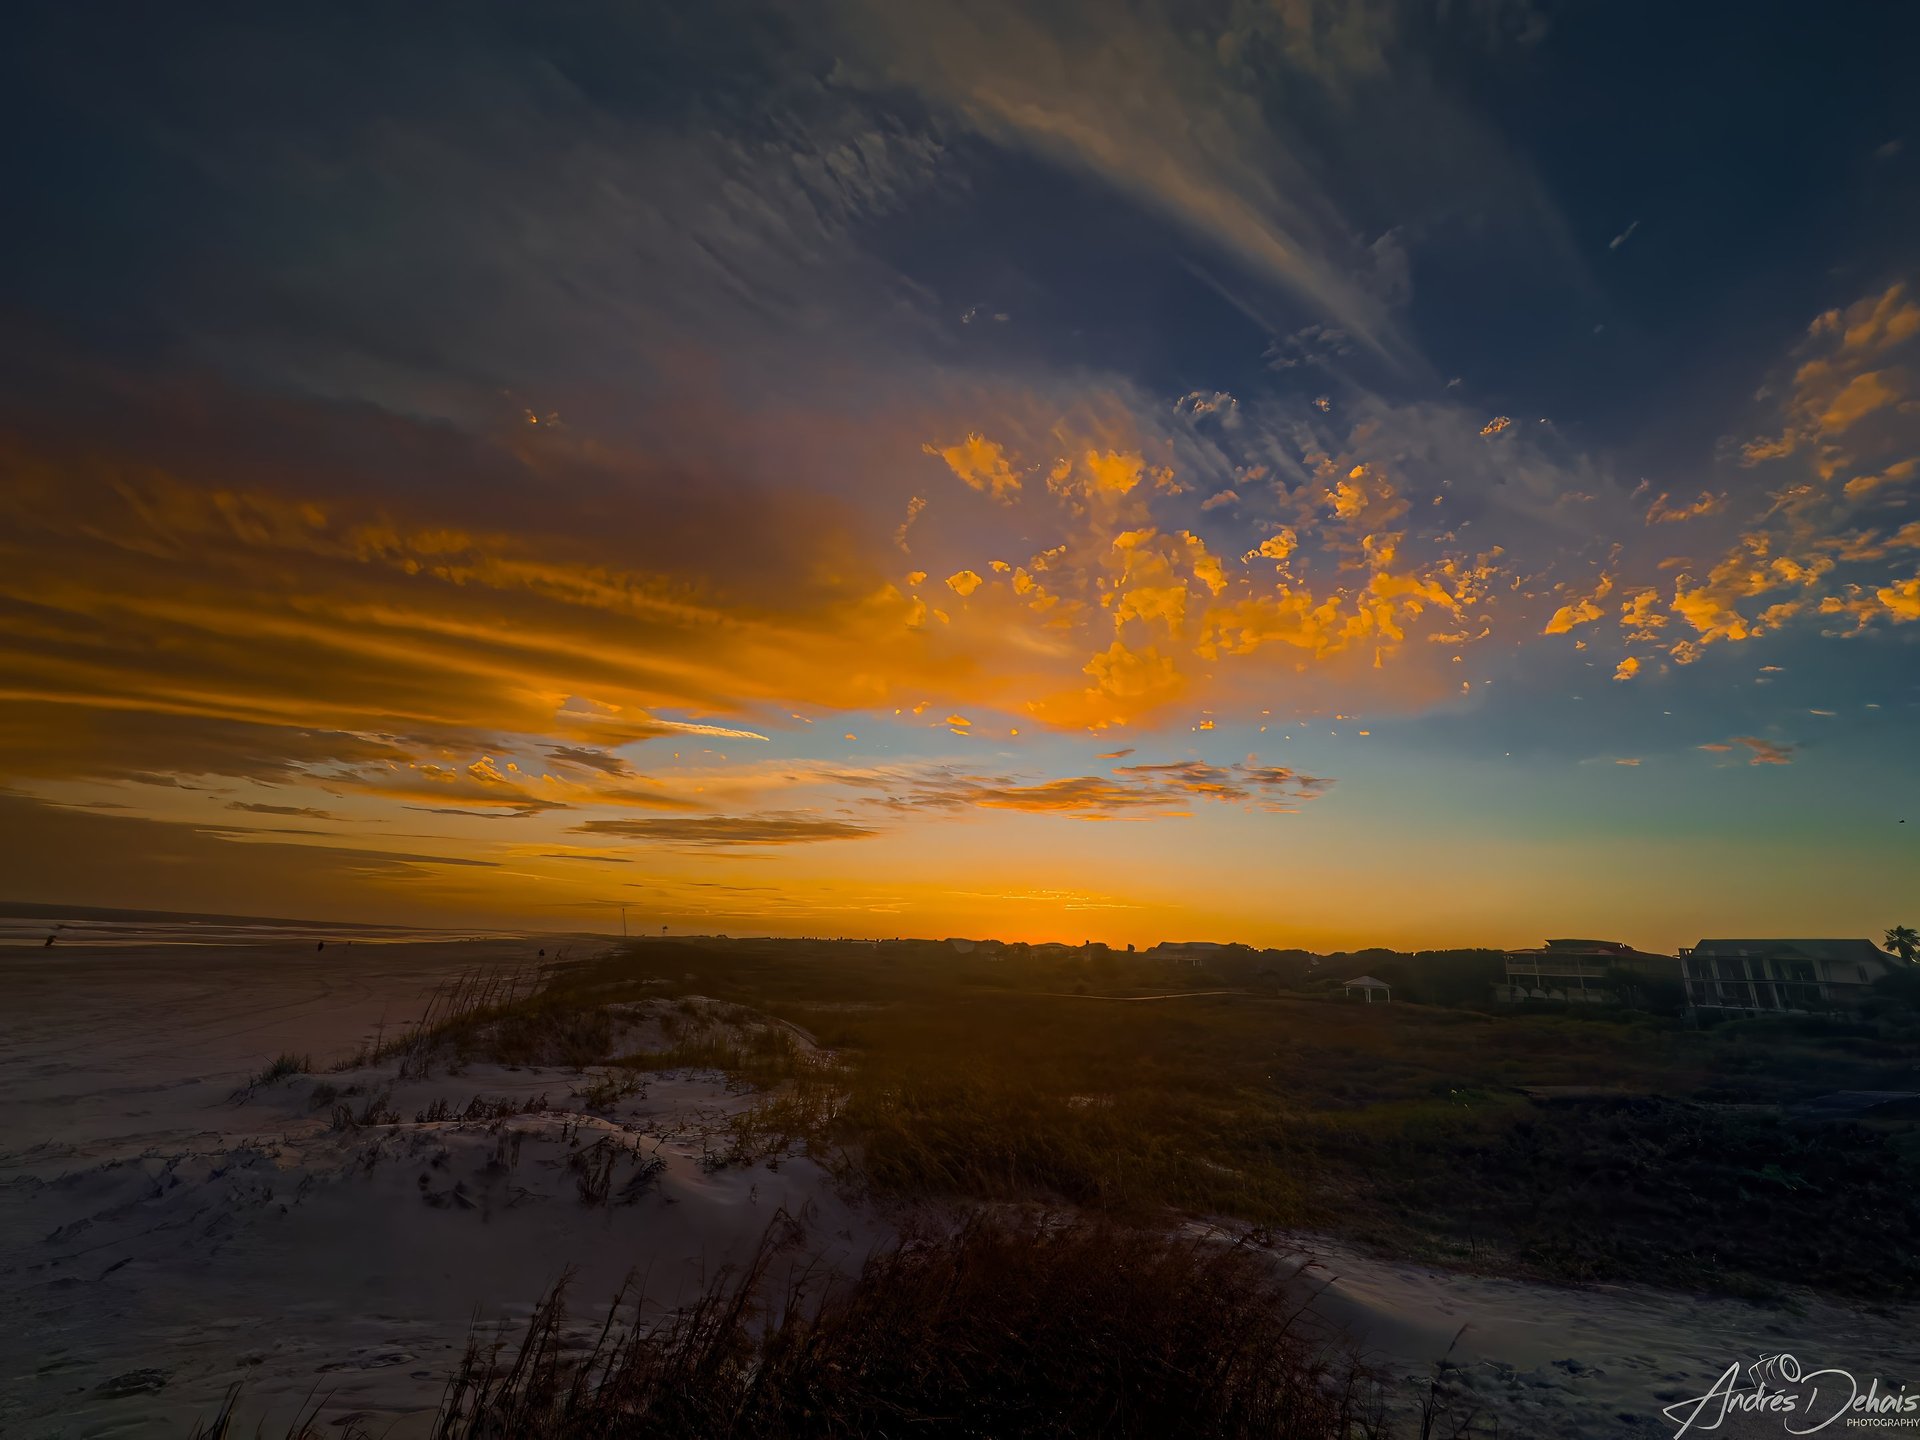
[(1057, 473)]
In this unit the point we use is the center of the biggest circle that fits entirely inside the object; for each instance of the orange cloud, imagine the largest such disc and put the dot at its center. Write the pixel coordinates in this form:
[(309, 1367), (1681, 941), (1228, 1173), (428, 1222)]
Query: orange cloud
[(1662, 513), (1860, 397), (1142, 678), (1842, 381), (1901, 601), (982, 465), (1581, 611), (1278, 546), (1639, 616), (1899, 473), (1095, 474), (1751, 569)]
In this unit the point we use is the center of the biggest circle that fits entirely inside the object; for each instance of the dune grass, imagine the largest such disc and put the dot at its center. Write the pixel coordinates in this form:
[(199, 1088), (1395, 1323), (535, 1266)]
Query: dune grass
[(1008, 1328), (306, 1425), (282, 1067)]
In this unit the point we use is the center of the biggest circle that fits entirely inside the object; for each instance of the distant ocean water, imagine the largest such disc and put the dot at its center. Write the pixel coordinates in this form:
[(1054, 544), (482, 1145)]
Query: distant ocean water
[(32, 924)]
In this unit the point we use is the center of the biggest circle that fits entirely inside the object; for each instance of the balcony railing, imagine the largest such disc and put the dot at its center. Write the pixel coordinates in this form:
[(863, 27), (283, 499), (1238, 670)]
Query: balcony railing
[(1555, 970)]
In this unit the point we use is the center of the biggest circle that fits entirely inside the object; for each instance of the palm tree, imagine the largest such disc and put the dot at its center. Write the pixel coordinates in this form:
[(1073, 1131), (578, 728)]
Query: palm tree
[(1904, 941)]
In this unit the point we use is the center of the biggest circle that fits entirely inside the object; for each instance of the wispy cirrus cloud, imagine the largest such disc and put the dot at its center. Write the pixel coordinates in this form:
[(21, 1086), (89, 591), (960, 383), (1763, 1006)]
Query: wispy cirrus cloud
[(1141, 791), (1004, 70), (55, 852), (1663, 512), (585, 757), (1196, 121), (726, 831)]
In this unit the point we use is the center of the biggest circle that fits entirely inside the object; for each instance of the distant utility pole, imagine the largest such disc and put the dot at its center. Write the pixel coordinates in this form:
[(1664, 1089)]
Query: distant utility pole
[(623, 922)]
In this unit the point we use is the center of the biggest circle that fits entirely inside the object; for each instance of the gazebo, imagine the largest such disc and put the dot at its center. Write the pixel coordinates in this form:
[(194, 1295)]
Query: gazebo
[(1367, 985)]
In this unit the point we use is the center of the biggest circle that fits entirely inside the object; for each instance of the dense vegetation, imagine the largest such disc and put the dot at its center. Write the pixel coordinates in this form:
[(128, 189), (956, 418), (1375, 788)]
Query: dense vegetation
[(1599, 1145)]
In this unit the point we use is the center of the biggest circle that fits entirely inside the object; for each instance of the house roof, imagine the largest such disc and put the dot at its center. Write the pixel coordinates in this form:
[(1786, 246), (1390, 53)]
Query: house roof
[(1856, 950), (1368, 982), (1590, 950)]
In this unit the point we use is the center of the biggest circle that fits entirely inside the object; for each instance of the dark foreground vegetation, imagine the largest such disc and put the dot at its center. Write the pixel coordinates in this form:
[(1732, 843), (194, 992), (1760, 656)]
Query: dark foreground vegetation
[(1608, 1145), (1005, 1328)]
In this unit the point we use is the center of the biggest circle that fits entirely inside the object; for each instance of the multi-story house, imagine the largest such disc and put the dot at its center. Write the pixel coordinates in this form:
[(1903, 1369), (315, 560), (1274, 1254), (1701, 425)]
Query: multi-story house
[(1583, 972), (1755, 976)]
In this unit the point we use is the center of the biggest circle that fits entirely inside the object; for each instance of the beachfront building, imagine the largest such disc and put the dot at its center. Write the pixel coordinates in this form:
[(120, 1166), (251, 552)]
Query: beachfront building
[(1583, 972), (1367, 986), (1194, 953), (1752, 977), (1053, 950)]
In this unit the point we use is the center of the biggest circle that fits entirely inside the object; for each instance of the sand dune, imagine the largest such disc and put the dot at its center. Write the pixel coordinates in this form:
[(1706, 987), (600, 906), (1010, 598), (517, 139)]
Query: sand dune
[(164, 1239)]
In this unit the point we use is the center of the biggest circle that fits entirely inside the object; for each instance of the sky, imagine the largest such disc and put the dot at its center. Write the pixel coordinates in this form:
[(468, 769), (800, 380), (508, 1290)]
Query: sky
[(1304, 473)]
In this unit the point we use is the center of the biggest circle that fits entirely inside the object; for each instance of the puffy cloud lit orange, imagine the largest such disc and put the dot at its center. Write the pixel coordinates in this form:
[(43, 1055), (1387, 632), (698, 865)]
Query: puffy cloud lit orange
[(982, 465), (1581, 611)]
